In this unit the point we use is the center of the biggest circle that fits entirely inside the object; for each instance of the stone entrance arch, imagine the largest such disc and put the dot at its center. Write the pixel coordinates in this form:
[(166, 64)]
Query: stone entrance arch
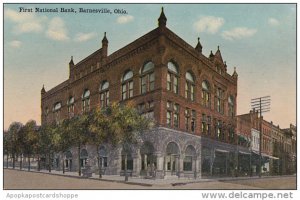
[(83, 157), (172, 159), (68, 160), (102, 157), (189, 161), (127, 158), (148, 159)]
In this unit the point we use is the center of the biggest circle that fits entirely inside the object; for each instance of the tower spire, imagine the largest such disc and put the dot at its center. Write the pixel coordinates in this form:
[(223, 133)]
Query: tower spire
[(162, 20)]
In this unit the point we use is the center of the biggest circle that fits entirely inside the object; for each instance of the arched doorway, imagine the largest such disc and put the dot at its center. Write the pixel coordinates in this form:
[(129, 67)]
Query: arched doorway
[(172, 159), (127, 158), (102, 157), (83, 157), (148, 159), (68, 160), (189, 160)]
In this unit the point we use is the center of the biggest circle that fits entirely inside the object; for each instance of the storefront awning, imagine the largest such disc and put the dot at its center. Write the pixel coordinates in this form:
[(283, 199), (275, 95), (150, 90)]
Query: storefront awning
[(221, 150), (243, 152), (269, 156)]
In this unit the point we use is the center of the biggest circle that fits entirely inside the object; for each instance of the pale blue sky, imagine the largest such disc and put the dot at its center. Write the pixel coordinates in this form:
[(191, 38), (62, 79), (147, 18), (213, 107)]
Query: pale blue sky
[(258, 39)]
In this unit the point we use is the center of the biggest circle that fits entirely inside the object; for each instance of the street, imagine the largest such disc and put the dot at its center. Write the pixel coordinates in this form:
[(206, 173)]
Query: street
[(14, 179)]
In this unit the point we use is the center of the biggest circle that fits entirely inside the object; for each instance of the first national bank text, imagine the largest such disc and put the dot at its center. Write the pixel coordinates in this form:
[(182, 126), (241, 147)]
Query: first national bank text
[(73, 10)]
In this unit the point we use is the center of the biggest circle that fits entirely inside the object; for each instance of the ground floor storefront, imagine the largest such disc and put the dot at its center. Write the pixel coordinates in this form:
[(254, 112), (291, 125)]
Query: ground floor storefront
[(160, 153)]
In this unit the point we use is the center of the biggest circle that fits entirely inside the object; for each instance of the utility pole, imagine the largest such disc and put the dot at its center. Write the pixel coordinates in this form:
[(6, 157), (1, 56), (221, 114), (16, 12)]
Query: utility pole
[(262, 104)]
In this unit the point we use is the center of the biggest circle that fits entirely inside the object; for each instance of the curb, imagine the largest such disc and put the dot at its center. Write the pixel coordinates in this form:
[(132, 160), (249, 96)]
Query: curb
[(80, 177)]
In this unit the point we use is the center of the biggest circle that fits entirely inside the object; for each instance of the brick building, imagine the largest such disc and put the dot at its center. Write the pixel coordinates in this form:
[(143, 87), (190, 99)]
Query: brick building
[(191, 97)]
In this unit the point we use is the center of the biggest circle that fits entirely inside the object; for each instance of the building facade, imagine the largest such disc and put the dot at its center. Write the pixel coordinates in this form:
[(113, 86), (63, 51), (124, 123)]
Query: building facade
[(191, 97)]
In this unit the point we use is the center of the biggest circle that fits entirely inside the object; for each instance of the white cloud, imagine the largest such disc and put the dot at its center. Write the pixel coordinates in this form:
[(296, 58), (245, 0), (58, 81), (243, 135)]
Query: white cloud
[(25, 22), (124, 19), (15, 44), (82, 37), (209, 24), (57, 30), (238, 33), (273, 22)]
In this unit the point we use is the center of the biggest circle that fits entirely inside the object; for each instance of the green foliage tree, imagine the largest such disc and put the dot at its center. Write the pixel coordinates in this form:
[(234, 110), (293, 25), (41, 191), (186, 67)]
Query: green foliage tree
[(64, 138), (6, 145), (48, 141), (14, 132), (30, 139), (80, 134), (119, 125)]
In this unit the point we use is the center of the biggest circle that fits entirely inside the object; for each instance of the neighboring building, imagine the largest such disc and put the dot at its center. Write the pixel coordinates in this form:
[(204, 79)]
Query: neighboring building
[(191, 97), (249, 135), (289, 150)]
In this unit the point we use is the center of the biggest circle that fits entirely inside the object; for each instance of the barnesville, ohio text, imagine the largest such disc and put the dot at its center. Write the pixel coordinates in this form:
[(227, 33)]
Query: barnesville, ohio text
[(73, 10)]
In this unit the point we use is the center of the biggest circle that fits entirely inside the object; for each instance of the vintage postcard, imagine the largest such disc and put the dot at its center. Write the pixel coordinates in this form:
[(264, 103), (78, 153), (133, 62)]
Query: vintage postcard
[(150, 96)]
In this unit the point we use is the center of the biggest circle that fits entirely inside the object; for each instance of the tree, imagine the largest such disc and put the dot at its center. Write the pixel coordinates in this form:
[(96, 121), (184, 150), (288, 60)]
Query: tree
[(124, 126), (48, 139), (65, 139), (6, 145), (80, 135), (14, 132), (30, 139)]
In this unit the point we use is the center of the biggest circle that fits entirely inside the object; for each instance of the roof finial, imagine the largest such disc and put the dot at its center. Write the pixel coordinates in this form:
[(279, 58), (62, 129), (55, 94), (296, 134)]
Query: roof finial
[(218, 48), (234, 73), (43, 90), (162, 20), (199, 46), (104, 40), (71, 61)]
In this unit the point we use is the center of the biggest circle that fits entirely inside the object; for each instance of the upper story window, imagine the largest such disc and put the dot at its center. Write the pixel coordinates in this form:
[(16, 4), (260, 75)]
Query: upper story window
[(205, 94), (190, 120), (104, 94), (56, 110), (70, 104), (219, 101), (86, 101), (127, 85), (172, 77), (172, 114), (189, 86), (230, 106), (147, 78)]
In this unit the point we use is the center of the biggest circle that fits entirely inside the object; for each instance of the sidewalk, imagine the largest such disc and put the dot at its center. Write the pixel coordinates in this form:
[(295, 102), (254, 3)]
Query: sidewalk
[(174, 181)]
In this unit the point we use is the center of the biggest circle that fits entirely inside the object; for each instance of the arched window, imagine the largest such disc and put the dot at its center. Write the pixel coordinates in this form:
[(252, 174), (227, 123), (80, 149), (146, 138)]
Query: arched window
[(127, 85), (172, 77), (104, 94), (189, 86), (230, 106), (147, 77), (83, 157), (57, 106), (205, 94), (103, 156), (70, 104), (86, 100), (56, 110)]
